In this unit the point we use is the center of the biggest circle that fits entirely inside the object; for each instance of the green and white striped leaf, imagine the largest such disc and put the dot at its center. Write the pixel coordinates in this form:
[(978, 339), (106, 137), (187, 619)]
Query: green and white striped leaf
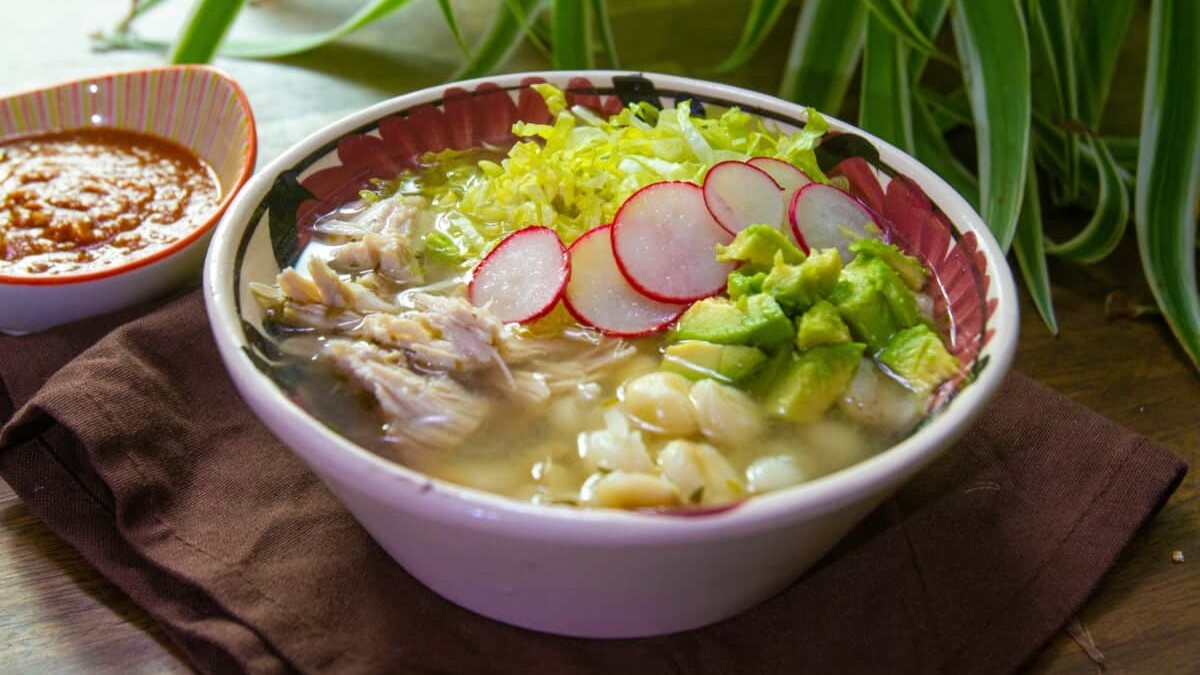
[(572, 37), (948, 110), (928, 15), (993, 48), (1124, 149), (1107, 225), (1099, 27), (763, 16), (1031, 259), (1054, 83), (1169, 168), (1048, 147), (824, 52), (932, 149), (452, 23), (510, 25), (884, 106), (607, 39), (270, 49), (205, 30), (893, 15)]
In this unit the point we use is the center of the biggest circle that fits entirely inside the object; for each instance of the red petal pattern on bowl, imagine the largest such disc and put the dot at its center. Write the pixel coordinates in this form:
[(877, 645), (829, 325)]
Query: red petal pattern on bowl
[(466, 119), (863, 182), (914, 223), (530, 105), (959, 272), (582, 92)]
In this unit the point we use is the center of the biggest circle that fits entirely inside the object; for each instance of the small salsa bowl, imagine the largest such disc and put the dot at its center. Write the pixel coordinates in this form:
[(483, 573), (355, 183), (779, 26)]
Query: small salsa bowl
[(571, 571), (196, 107)]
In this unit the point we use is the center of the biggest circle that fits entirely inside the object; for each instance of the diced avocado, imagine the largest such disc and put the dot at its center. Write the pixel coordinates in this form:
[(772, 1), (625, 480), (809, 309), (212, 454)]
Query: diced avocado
[(756, 247), (741, 283), (813, 381), (716, 320), (918, 355), (798, 287), (697, 360), (874, 302), (821, 325), (753, 320), (766, 377), (771, 326), (911, 272)]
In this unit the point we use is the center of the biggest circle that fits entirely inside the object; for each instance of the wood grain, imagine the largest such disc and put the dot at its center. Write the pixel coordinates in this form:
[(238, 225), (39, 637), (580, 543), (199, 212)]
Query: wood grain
[(58, 615)]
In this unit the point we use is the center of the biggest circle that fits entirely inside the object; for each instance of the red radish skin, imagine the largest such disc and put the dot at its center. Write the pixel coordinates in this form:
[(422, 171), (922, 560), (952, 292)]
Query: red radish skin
[(664, 240), (787, 177), (823, 216), (739, 195), (600, 297), (523, 277)]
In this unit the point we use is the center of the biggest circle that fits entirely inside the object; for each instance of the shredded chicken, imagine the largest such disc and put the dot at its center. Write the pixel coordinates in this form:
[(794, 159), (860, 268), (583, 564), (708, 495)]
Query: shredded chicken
[(438, 334), (426, 358), (295, 314), (380, 237), (422, 411)]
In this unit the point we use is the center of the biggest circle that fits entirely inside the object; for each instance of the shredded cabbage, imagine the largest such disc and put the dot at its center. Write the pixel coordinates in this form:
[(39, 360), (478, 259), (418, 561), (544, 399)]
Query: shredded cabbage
[(573, 174)]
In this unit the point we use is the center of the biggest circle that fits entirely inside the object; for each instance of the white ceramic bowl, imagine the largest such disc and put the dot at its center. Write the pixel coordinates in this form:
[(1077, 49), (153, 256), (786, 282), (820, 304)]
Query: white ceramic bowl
[(195, 106), (595, 573)]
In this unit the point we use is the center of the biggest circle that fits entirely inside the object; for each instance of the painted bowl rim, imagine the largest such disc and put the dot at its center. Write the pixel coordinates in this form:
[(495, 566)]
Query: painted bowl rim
[(352, 464), (244, 173)]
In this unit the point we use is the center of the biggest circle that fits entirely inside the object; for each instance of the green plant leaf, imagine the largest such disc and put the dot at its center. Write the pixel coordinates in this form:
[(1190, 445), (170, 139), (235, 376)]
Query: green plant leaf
[(1169, 168), (1124, 149), (511, 23), (763, 16), (932, 149), (897, 19), (572, 41), (120, 35), (1099, 27), (1027, 245), (1048, 152), (1107, 225), (928, 15), (271, 49), (204, 30), (607, 39), (136, 9), (825, 47), (1054, 83), (948, 110), (884, 106), (994, 50), (452, 23), (204, 25)]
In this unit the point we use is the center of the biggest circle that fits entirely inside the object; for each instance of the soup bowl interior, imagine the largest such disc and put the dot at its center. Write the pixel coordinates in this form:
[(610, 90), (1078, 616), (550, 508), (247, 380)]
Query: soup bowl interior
[(596, 572), (196, 107)]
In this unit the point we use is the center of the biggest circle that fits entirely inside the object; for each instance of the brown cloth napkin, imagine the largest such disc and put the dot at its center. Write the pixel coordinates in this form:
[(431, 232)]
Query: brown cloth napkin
[(140, 453)]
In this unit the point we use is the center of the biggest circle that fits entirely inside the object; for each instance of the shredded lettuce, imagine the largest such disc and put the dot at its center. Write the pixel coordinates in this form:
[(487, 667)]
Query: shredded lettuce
[(573, 174)]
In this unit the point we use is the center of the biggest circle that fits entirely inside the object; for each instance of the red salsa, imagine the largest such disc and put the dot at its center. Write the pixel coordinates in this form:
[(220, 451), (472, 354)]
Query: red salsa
[(77, 201)]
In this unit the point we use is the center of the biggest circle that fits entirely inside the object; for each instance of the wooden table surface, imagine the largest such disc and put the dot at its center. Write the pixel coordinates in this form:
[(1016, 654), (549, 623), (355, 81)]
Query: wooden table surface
[(58, 615)]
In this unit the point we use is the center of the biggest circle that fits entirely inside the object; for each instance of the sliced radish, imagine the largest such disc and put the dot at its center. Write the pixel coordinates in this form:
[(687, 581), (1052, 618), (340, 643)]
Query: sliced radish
[(665, 240), (739, 195), (598, 295), (786, 176), (823, 216), (523, 277)]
